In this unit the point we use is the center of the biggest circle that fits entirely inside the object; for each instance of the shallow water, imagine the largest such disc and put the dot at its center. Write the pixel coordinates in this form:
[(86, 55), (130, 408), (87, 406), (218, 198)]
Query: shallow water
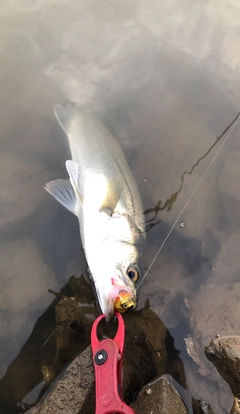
[(164, 77)]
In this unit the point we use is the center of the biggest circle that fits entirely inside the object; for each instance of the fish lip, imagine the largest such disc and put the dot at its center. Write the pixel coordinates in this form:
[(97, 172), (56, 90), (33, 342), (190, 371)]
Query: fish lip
[(116, 296), (110, 317)]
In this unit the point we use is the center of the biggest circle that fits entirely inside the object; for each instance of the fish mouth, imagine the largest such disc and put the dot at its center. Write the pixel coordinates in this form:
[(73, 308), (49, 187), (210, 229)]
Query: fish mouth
[(124, 301)]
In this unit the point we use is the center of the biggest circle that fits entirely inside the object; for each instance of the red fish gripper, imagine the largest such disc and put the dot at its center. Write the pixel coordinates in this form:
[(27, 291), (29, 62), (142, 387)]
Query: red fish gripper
[(107, 360)]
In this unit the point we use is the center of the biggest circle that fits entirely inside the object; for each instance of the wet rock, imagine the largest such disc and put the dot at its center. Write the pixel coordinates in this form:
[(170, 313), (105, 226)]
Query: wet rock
[(236, 406), (48, 374), (213, 310), (21, 183), (201, 407), (74, 317), (160, 397), (144, 352), (210, 315), (50, 347), (73, 392), (144, 357), (224, 353), (36, 361)]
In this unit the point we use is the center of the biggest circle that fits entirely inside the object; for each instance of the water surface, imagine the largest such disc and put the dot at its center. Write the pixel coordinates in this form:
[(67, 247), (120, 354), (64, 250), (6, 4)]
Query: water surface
[(164, 77)]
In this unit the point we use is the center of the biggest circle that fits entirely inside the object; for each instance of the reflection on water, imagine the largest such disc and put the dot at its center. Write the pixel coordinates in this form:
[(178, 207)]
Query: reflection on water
[(164, 78)]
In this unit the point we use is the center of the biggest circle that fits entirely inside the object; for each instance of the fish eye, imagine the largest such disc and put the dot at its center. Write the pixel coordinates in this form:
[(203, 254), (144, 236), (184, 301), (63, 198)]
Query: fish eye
[(132, 273)]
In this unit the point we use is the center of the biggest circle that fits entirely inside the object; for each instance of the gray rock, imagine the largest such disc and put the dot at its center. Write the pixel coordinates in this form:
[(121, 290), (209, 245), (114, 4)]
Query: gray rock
[(224, 353), (210, 316), (236, 406), (160, 397), (73, 392)]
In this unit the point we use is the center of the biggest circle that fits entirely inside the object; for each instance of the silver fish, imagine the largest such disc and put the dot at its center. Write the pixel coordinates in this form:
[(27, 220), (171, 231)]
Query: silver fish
[(102, 193)]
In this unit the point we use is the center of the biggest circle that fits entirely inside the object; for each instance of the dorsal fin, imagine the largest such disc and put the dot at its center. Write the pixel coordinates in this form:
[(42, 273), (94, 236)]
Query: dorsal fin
[(64, 116)]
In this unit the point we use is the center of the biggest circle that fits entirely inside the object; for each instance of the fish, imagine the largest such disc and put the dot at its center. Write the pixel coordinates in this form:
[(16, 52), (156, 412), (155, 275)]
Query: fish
[(103, 194)]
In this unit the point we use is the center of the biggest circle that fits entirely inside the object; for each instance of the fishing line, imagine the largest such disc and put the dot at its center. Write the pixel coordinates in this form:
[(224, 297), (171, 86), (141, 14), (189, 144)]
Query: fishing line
[(189, 199)]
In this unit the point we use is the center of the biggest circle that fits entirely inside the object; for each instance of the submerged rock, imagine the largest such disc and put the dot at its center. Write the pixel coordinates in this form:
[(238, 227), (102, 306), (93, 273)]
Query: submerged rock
[(160, 397), (201, 407)]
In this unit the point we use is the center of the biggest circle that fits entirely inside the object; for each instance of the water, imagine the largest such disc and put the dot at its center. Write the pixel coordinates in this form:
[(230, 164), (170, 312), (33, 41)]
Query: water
[(164, 77)]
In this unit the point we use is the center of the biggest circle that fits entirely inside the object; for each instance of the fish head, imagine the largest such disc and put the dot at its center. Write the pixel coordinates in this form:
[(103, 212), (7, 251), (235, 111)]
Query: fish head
[(117, 290)]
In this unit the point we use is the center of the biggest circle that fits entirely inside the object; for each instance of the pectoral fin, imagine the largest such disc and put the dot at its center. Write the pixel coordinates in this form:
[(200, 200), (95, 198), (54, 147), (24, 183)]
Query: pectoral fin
[(97, 191), (63, 191)]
